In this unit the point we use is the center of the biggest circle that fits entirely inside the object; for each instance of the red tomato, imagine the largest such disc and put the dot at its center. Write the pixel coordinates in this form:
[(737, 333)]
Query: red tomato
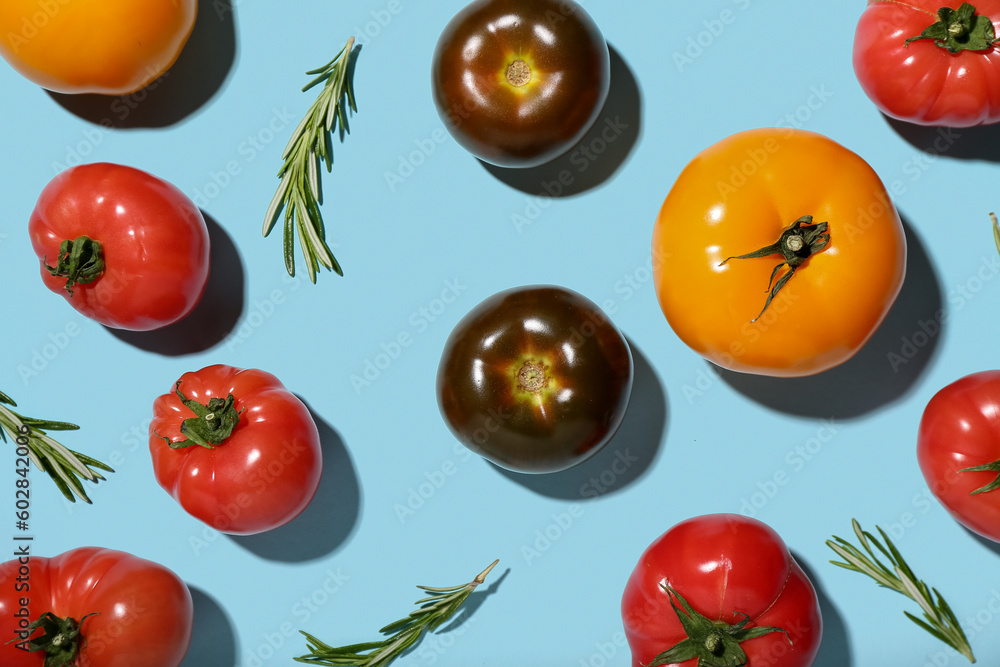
[(960, 430), (259, 461), (746, 594), (130, 250), (129, 611), (923, 81)]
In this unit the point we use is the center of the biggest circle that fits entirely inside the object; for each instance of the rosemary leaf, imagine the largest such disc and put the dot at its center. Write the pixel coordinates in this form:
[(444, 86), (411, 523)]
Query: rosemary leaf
[(939, 620), (300, 191), (434, 610), (63, 465)]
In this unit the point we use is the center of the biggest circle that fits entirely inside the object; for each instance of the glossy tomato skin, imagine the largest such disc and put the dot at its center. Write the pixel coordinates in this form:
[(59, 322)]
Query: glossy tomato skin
[(922, 83), (525, 125), (145, 610), (259, 478), (736, 197), (111, 47), (721, 564), (960, 428), (536, 379), (154, 241)]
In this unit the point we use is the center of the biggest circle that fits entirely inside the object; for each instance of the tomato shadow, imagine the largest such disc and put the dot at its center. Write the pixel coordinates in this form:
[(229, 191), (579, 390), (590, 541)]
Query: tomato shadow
[(329, 520), (213, 642), (985, 542), (215, 316), (596, 157), (195, 78), (883, 371), (626, 457), (835, 647), (465, 612), (963, 143), (471, 604)]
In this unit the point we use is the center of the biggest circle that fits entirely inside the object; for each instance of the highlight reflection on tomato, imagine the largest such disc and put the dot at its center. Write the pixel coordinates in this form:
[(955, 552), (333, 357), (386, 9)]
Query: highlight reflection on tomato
[(519, 82), (535, 379)]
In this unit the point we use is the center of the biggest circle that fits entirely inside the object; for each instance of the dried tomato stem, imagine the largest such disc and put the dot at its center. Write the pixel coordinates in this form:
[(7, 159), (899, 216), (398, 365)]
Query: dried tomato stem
[(796, 244)]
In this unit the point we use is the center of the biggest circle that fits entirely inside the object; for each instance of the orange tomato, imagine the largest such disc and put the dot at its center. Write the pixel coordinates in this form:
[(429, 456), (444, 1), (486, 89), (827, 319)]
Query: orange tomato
[(113, 47), (739, 196)]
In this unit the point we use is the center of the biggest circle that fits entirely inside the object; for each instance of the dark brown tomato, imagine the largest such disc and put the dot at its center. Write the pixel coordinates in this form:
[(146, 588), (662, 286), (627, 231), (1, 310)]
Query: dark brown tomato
[(535, 379), (519, 82)]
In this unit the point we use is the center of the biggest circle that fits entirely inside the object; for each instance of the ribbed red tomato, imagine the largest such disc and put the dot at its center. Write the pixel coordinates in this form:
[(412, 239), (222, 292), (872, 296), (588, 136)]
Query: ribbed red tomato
[(236, 449), (108, 609), (741, 595), (958, 448), (950, 77), (123, 247)]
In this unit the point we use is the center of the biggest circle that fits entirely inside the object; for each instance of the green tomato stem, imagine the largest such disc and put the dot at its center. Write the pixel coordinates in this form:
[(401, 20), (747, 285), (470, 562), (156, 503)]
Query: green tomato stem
[(959, 29), (81, 261)]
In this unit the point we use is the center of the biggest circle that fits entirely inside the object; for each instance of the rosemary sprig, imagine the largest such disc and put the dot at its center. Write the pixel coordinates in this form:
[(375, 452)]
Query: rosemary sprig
[(996, 230), (939, 620), (63, 465), (300, 194), (435, 609)]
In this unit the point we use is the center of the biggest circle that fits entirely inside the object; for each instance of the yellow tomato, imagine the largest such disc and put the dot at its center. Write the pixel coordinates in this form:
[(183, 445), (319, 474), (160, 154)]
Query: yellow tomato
[(113, 47), (741, 196)]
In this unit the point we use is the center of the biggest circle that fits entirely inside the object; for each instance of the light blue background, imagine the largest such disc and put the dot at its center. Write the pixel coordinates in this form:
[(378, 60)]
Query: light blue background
[(704, 443)]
